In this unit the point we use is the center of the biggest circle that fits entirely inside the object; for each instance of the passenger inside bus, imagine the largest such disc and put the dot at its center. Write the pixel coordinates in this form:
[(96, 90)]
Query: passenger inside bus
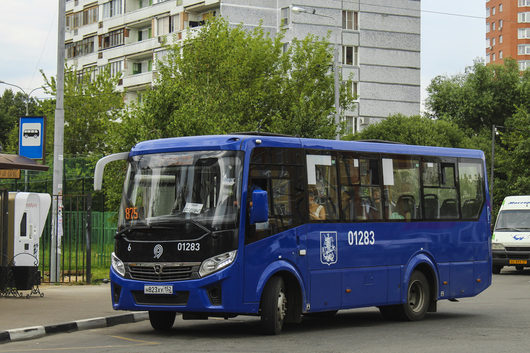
[(317, 211)]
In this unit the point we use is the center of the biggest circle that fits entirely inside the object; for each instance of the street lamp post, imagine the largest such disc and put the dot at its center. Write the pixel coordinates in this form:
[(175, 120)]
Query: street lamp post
[(494, 132), (26, 95), (336, 85)]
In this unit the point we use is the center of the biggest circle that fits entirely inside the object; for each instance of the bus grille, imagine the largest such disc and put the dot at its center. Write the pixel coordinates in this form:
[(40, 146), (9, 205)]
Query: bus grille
[(163, 272)]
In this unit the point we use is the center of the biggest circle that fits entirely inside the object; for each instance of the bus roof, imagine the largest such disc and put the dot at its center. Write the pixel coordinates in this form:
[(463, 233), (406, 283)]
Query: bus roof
[(243, 142)]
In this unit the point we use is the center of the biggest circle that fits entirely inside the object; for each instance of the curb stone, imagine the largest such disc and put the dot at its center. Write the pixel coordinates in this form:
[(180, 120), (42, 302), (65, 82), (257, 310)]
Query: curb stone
[(27, 333)]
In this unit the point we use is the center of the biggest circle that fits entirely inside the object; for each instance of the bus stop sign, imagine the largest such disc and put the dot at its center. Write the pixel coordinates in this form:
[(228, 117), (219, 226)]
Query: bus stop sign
[(31, 137)]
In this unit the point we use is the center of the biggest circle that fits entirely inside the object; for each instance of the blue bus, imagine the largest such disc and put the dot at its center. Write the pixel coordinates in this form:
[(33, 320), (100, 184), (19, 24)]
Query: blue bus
[(281, 227)]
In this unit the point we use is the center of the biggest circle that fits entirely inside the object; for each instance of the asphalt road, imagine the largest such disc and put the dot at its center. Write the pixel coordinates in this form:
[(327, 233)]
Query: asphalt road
[(497, 320)]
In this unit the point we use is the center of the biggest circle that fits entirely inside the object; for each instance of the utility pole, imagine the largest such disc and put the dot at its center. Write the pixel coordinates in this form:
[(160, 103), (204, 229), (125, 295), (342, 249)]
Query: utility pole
[(58, 146), (336, 67)]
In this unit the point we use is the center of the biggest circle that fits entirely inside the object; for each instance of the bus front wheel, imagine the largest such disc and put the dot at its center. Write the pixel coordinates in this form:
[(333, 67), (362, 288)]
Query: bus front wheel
[(418, 297), (162, 320), (273, 306)]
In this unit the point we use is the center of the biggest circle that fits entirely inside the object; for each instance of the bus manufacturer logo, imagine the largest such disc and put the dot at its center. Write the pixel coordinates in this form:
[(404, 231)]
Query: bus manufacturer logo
[(158, 250), (329, 252)]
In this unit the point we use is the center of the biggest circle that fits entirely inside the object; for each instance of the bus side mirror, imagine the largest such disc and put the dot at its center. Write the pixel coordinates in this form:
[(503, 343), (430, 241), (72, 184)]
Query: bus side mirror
[(259, 211)]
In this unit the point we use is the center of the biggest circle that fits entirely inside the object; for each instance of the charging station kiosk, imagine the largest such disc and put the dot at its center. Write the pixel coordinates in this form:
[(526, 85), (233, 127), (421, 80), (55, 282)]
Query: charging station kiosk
[(19, 248)]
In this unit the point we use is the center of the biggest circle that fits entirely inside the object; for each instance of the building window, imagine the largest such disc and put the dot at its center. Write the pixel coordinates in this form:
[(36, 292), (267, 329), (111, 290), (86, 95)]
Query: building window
[(493, 41), (112, 8), (493, 26), (80, 48), (487, 27), (111, 39), (493, 11), (523, 49), (350, 55), (523, 17), (285, 18), (523, 33), (144, 3), (488, 60), (350, 20), (500, 7), (492, 56), (90, 15), (352, 89), (524, 3), (500, 39), (144, 33), (488, 12), (500, 24), (524, 64), (500, 54)]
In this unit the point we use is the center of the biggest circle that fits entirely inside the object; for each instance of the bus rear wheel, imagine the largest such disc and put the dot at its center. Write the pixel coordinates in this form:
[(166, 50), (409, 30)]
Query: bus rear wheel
[(273, 306), (162, 320)]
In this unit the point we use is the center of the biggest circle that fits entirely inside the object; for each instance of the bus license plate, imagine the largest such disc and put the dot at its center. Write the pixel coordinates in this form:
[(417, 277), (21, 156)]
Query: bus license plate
[(158, 289), (518, 262)]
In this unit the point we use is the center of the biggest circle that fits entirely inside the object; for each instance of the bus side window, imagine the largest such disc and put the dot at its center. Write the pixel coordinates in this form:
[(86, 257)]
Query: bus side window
[(471, 181), (402, 187), (439, 190), (322, 187)]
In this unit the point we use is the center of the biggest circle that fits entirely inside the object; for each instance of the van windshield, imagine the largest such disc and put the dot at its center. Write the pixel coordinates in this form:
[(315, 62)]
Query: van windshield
[(513, 221)]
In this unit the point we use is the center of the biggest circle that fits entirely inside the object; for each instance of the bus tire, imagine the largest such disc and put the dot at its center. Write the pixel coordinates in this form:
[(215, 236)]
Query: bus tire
[(418, 297), (162, 320), (273, 306), (496, 269)]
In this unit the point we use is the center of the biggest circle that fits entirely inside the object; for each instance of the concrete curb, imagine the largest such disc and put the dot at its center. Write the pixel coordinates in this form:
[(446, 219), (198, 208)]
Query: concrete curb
[(27, 333)]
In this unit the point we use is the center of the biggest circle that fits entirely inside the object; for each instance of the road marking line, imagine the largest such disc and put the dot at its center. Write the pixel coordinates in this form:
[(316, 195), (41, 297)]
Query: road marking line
[(134, 340)]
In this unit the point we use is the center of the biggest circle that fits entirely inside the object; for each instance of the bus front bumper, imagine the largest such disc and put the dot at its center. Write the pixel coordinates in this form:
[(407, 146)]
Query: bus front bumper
[(205, 295)]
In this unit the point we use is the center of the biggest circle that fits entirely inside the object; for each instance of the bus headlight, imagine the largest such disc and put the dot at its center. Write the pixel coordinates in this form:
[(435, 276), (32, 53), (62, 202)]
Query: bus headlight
[(216, 263), (497, 246), (118, 265)]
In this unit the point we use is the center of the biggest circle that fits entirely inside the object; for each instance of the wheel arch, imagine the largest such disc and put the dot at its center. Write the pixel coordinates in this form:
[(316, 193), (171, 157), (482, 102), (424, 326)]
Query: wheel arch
[(424, 263), (293, 285)]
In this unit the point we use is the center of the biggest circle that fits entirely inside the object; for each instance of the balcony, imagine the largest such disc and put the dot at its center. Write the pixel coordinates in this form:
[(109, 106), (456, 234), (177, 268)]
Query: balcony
[(200, 5), (138, 80)]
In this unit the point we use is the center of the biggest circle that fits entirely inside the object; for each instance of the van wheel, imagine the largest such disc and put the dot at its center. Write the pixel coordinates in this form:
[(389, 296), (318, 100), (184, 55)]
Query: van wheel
[(273, 306), (418, 297), (496, 269), (162, 320), (519, 268)]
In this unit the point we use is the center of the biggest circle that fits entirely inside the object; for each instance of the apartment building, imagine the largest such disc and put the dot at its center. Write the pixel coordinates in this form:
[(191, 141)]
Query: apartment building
[(378, 43), (508, 31)]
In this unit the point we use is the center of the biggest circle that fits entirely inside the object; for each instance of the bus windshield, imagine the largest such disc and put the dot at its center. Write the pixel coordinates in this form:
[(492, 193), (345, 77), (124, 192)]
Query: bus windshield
[(171, 189), (513, 221)]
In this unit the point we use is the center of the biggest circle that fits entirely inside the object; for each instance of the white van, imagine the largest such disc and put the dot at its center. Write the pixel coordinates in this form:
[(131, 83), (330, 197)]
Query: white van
[(511, 236)]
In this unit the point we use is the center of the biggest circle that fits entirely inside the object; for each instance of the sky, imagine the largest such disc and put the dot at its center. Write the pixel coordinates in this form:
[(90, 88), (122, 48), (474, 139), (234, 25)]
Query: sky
[(452, 37)]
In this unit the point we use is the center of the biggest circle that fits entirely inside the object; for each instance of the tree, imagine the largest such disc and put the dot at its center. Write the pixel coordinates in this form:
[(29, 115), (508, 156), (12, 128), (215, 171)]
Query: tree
[(12, 107), (482, 97), (415, 130), (91, 107), (226, 79)]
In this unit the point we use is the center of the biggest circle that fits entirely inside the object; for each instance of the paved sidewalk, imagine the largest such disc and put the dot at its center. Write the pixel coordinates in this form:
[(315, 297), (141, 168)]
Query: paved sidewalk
[(63, 308)]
